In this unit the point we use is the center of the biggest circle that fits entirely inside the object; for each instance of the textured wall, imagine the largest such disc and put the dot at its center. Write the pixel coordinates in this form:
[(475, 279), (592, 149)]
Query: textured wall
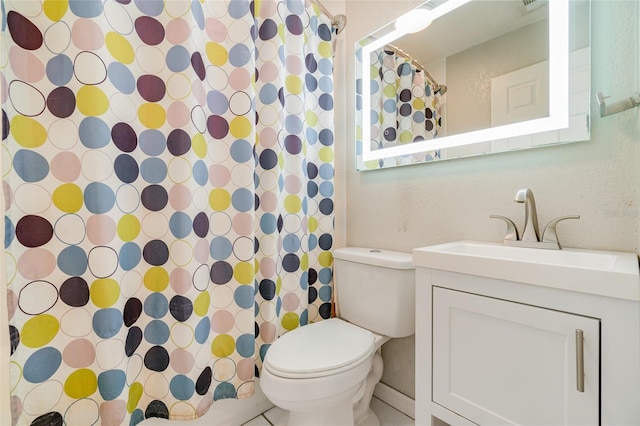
[(414, 206)]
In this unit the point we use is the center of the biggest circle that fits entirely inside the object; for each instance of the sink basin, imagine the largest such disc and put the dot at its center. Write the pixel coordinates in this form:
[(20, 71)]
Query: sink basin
[(605, 273)]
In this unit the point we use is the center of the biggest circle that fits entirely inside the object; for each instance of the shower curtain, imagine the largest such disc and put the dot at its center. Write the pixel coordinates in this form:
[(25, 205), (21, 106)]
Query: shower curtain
[(404, 107), (168, 185)]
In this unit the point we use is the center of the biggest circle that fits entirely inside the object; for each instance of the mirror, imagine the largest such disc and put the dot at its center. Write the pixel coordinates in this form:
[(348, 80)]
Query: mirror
[(485, 76)]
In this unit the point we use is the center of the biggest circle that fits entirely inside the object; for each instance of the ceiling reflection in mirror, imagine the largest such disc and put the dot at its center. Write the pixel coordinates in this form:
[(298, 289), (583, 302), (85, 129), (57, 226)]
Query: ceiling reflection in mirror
[(485, 76)]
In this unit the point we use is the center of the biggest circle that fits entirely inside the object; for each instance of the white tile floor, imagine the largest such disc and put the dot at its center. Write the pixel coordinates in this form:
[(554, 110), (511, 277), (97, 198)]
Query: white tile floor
[(388, 416)]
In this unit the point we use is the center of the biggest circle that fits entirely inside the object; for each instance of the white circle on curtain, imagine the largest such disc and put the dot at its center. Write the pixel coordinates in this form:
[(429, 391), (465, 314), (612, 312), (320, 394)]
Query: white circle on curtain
[(176, 9), (312, 258), (238, 31), (83, 411), (293, 104), (293, 164), (311, 102), (150, 59), (42, 398), (96, 165), (295, 47), (312, 313), (304, 241), (109, 353), (103, 261), (268, 115), (268, 51), (203, 357), (27, 8), (63, 134), (224, 369), (70, 229), (268, 310), (179, 170), (130, 283), (245, 321), (200, 278), (57, 37), (10, 267), (178, 86), (181, 335), (200, 199), (291, 282), (37, 297), (6, 160), (219, 224), (155, 225), (243, 248), (134, 368), (404, 123), (180, 252), (268, 180), (326, 224), (268, 245), (389, 76), (26, 99), (242, 176), (156, 386), (217, 78), (31, 198), (76, 322), (221, 296), (199, 118), (375, 133), (417, 91), (118, 17), (198, 40), (216, 9), (312, 207), (15, 375), (240, 103), (184, 410), (123, 107), (292, 223), (374, 58), (218, 151), (127, 198)]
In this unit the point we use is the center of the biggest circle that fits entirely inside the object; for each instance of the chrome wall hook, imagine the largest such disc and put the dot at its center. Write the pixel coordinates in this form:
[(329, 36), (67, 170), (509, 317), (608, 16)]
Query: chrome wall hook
[(616, 107)]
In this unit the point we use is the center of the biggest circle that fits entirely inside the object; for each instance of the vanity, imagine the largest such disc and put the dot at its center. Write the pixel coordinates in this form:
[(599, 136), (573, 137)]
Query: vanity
[(513, 335)]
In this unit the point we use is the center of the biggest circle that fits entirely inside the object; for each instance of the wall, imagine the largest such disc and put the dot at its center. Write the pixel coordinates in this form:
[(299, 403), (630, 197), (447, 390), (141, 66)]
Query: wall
[(413, 206)]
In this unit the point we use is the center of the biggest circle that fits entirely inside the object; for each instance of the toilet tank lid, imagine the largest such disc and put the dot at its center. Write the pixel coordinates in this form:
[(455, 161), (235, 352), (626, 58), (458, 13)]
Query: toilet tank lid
[(377, 257)]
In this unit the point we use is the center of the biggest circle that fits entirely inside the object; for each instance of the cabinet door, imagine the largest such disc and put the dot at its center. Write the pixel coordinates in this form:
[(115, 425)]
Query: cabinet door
[(500, 362)]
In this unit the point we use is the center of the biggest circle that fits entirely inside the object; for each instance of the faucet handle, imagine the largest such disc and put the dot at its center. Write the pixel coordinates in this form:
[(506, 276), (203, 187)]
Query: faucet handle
[(549, 235), (512, 230)]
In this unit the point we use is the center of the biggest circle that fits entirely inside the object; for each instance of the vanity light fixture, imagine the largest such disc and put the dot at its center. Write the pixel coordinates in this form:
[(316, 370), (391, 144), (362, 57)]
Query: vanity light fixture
[(413, 21)]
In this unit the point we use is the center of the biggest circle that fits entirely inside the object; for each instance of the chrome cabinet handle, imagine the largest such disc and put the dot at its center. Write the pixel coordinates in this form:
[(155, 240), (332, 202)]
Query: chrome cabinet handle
[(580, 360)]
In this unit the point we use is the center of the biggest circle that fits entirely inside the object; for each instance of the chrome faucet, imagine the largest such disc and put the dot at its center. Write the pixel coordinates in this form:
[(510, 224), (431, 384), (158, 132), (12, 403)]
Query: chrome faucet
[(530, 236)]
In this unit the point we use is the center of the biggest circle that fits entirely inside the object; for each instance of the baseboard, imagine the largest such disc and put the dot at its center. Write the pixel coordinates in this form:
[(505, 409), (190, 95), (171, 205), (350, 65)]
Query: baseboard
[(396, 399)]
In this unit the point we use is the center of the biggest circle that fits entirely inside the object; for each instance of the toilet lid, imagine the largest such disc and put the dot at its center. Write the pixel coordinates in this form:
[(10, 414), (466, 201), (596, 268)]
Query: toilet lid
[(319, 349)]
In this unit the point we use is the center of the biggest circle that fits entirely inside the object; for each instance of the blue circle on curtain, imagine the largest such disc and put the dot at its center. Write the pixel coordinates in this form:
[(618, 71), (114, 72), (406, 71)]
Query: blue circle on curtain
[(126, 168), (325, 275), (389, 105), (241, 151), (129, 256), (374, 117), (201, 332), (268, 94), (99, 198), (312, 170), (404, 69), (41, 365), (390, 134), (325, 66), (94, 133), (220, 248), (178, 58), (326, 102), (152, 142), (72, 260), (268, 29), (182, 387), (359, 86), (405, 110), (156, 332), (136, 417), (312, 135), (268, 223), (304, 317), (111, 383), (291, 243), (326, 171), (30, 166), (242, 199), (225, 389), (326, 206), (326, 84), (325, 293), (268, 159), (304, 280), (243, 296), (150, 7), (121, 77), (59, 70), (312, 189), (9, 231), (107, 322), (290, 262), (326, 189), (86, 8), (324, 32), (427, 90), (200, 173), (293, 124), (180, 224), (198, 15), (418, 117), (311, 82), (239, 55), (311, 63), (267, 289), (217, 102), (180, 308), (153, 170), (245, 345), (326, 137), (313, 242), (156, 305), (237, 9)]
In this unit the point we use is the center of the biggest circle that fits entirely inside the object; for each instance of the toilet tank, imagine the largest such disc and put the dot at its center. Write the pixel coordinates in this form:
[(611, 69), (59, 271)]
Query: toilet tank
[(375, 289)]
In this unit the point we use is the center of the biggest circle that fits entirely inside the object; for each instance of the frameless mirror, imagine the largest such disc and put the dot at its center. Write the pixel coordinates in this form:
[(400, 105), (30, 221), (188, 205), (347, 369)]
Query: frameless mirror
[(485, 76)]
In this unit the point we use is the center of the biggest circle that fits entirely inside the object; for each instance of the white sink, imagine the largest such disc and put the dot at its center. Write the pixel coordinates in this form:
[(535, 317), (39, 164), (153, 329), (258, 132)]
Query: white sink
[(605, 273)]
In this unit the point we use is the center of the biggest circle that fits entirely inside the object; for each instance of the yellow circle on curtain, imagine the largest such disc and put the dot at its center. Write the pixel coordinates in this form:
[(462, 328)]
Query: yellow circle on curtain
[(201, 304), (219, 199), (216, 53), (223, 346), (104, 292), (39, 330), (135, 393), (405, 136), (292, 203), (81, 383), (156, 278), (325, 49), (293, 83), (92, 101), (290, 320), (28, 132), (278, 285), (325, 258), (68, 197), (373, 72), (389, 91), (152, 115), (304, 262), (243, 272), (312, 118), (119, 47), (55, 9), (199, 145), (240, 127), (128, 227), (326, 154), (312, 224), (418, 103)]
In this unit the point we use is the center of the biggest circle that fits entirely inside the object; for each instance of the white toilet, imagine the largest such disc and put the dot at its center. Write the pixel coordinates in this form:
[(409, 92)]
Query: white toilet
[(324, 373)]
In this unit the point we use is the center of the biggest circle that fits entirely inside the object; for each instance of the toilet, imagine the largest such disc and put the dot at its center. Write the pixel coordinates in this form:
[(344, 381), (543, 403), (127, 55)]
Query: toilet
[(325, 373)]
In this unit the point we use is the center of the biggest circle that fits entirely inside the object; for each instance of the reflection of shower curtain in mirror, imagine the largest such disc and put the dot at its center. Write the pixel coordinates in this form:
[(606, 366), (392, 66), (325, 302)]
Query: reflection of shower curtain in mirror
[(405, 107)]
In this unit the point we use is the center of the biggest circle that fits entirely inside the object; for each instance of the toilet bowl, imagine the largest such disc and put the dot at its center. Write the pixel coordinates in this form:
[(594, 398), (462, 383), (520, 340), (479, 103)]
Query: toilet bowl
[(324, 373)]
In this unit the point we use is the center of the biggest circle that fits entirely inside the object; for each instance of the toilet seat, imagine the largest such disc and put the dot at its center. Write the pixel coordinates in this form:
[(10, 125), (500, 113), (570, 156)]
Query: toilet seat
[(321, 349)]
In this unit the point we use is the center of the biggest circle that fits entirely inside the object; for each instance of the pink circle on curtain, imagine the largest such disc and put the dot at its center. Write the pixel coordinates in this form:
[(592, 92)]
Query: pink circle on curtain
[(36, 263), (290, 302), (268, 201), (243, 224), (182, 361), (294, 64), (201, 251), (268, 72), (246, 367), (268, 9), (180, 280), (267, 332), (66, 166), (26, 65), (113, 412), (177, 31), (197, 89), (4, 92), (219, 175), (178, 115), (80, 353), (216, 30), (87, 35), (268, 137), (239, 79), (292, 184), (268, 267), (101, 229), (222, 322), (179, 197), (8, 195), (12, 303)]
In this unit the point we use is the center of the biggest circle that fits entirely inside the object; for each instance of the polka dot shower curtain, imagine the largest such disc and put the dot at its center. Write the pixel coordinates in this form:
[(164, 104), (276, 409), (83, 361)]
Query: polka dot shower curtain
[(168, 183)]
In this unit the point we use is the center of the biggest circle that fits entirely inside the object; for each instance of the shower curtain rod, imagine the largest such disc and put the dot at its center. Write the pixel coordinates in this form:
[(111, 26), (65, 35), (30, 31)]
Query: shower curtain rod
[(401, 52), (337, 21)]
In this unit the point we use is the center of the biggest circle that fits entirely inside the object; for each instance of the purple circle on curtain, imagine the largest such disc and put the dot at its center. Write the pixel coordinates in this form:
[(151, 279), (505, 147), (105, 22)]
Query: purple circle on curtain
[(74, 292), (151, 88), (61, 102), (221, 272), (201, 224), (203, 383), (405, 95), (294, 24), (33, 231), (124, 137), (324, 32), (154, 197), (156, 253), (217, 126), (23, 31), (149, 30), (132, 311), (293, 144), (268, 30), (178, 142), (181, 308), (405, 110), (198, 65)]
